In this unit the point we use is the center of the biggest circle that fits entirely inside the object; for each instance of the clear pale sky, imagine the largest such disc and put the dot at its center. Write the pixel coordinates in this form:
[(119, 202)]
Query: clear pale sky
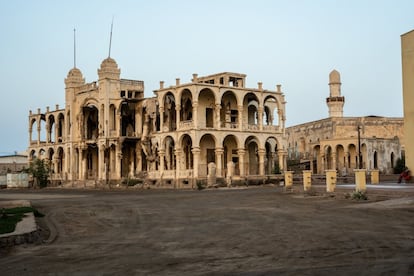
[(293, 43)]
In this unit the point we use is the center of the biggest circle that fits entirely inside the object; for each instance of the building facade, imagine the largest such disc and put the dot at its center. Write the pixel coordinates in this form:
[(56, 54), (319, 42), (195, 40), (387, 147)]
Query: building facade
[(346, 143), (109, 132), (407, 54)]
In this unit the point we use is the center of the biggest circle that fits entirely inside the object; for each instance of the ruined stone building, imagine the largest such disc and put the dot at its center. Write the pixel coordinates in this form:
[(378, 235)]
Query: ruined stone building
[(109, 132), (332, 143)]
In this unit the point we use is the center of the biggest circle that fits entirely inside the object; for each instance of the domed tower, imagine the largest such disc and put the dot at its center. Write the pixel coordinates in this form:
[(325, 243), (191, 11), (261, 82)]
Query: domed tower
[(335, 101), (72, 81), (109, 70)]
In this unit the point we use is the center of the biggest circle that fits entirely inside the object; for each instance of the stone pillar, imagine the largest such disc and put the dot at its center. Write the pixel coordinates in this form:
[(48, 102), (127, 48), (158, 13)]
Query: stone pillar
[(230, 173), (241, 153), (161, 153), (330, 180), (118, 122), (101, 163), (322, 158), (307, 180), (118, 161), (38, 134), (211, 176), (84, 165), (177, 167), (261, 153), (240, 117), (219, 157), (333, 160), (217, 119), (162, 118), (360, 180), (196, 158), (195, 114), (374, 176), (260, 117), (288, 179), (177, 115)]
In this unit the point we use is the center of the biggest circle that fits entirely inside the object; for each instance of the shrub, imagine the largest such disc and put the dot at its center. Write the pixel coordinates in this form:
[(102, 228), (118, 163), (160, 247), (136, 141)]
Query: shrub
[(399, 165), (40, 170), (359, 195)]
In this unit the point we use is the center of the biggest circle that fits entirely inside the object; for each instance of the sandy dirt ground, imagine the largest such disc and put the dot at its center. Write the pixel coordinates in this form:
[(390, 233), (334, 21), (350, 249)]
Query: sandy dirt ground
[(254, 231)]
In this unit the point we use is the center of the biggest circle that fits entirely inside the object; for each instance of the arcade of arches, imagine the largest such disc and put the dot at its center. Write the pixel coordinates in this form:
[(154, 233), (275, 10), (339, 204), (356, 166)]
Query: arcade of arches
[(108, 131)]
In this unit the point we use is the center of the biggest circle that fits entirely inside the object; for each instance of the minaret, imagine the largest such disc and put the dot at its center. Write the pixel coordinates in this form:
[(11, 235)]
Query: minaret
[(335, 101)]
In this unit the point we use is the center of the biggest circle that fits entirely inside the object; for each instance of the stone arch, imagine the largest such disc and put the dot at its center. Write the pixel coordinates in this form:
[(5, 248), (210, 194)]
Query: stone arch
[(271, 111), (33, 122), (251, 109), (207, 152), (392, 160), (229, 114), (206, 108), (252, 146), (60, 127), (112, 117), (186, 103), (169, 114), (317, 160), (364, 155), (169, 156), (187, 147), (271, 158), (60, 158), (352, 156), (341, 159), (51, 134), (375, 159), (230, 147)]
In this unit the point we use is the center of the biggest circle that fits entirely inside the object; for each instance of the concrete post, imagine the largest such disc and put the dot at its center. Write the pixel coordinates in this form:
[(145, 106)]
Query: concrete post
[(330, 180), (374, 176), (360, 180), (288, 179), (307, 180)]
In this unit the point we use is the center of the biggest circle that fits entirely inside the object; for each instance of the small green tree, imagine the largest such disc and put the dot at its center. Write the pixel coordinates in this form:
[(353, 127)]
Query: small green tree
[(40, 170), (399, 165)]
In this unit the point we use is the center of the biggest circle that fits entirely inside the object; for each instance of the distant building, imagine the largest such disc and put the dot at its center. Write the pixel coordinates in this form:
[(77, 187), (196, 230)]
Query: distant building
[(108, 131), (407, 53), (332, 143), (13, 163)]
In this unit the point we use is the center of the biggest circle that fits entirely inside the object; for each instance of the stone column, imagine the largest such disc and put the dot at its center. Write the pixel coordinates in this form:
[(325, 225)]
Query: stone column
[(360, 180), (241, 153), (307, 180), (196, 159), (131, 172), (118, 122), (161, 153), (217, 119), (178, 155), (195, 114), (118, 161), (211, 175), (260, 117), (38, 134), (261, 153), (333, 160), (161, 118), (240, 117), (219, 166), (48, 133), (101, 163), (330, 180), (322, 158), (230, 173), (346, 165), (177, 115), (84, 165)]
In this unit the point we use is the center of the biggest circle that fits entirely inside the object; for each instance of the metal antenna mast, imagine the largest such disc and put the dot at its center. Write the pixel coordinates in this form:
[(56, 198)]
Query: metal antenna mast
[(74, 48), (110, 37)]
